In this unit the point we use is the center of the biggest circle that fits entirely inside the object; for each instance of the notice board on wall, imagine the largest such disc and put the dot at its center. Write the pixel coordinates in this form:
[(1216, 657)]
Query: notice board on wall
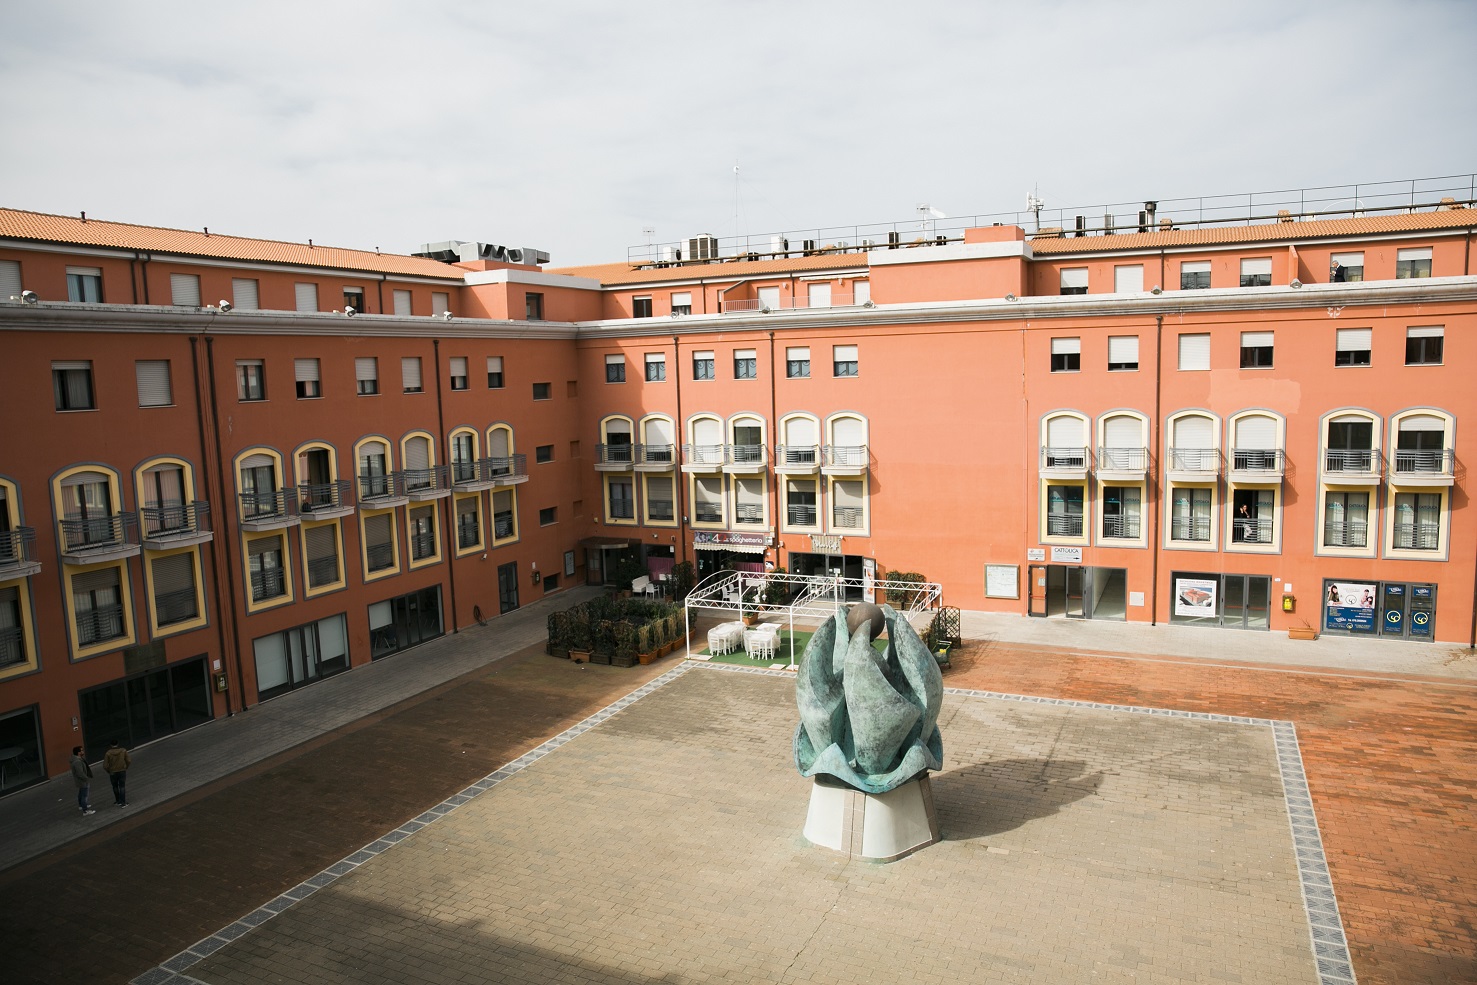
[(1002, 581)]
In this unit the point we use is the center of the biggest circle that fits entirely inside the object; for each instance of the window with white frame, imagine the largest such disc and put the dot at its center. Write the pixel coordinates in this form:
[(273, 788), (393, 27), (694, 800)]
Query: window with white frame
[(1417, 521), (494, 372), (410, 374), (1194, 351), (1194, 275), (1189, 518), (1122, 512), (1413, 262), (848, 504), (861, 291), (10, 280), (800, 503), (1074, 280), (1352, 347), (84, 284), (1252, 514), (656, 367), (401, 301), (748, 501), (245, 293), (306, 296), (1123, 353), (184, 290), (844, 360), (1256, 272), (440, 303), (306, 374), (366, 375), (1346, 519), (1063, 510), (251, 379), (354, 298), (153, 382), (71, 384), (818, 295), (615, 368), (682, 302), (1128, 278), (1420, 446), (1424, 345), (1345, 268), (457, 370), (745, 364), (797, 362), (1256, 350), (769, 298), (702, 365), (707, 501), (1066, 355)]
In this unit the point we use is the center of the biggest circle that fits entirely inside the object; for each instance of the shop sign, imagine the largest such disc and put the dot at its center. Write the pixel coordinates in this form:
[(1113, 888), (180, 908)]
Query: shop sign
[(825, 543), (729, 538), (1035, 554), (1350, 606), (1195, 597), (1067, 555)]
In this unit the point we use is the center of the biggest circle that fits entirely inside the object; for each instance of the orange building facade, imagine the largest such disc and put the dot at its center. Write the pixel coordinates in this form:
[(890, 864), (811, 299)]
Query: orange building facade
[(232, 467)]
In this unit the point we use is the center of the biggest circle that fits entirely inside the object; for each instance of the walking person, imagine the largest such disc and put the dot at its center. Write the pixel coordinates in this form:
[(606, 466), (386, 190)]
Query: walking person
[(82, 776), (116, 761)]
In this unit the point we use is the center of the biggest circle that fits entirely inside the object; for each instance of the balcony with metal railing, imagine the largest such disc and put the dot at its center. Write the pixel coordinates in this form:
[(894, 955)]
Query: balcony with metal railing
[(88, 540), (656, 458), (269, 583), (836, 299), (615, 457), (1120, 526), (1064, 461), (12, 646), (1345, 534), (1352, 466), (382, 491), (1423, 467), (1064, 524), (178, 606), (1251, 531), (381, 557), (703, 458), (1116, 464), (325, 500), (468, 476), (847, 517), (1193, 464), (707, 512), (502, 525), (659, 509), (269, 510), (18, 553), (622, 509), (1190, 528), (100, 624), (1417, 536), (505, 470), (422, 546), (748, 514), (322, 571), (746, 459), (424, 485), (844, 459), (797, 459), (1258, 464), (175, 525)]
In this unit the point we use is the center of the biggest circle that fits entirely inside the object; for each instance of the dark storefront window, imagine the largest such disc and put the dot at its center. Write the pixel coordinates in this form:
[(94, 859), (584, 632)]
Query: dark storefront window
[(300, 656), (20, 749), (147, 706), (399, 623)]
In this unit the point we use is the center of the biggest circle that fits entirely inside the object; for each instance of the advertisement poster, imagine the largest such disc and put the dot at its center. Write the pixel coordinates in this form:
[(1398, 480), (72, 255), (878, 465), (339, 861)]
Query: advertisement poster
[(1195, 597), (1349, 605)]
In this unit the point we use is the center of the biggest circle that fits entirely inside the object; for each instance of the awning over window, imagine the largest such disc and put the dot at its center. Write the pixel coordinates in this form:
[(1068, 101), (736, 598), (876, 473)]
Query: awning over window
[(605, 542), (732, 548)]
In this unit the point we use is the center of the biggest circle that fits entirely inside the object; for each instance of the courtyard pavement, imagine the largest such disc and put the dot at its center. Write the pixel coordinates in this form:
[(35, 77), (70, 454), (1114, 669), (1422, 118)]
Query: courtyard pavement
[(1385, 732)]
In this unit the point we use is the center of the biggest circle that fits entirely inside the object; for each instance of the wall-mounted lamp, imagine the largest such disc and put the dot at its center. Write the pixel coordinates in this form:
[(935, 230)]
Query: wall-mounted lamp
[(225, 305), (446, 315), (868, 303), (1296, 283), (1011, 297), (28, 297), (1156, 290), (349, 311)]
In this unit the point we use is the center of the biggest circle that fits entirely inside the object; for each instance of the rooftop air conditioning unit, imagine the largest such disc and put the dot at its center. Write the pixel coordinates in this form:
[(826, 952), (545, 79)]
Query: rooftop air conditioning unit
[(702, 247), (671, 254), (778, 245), (808, 247)]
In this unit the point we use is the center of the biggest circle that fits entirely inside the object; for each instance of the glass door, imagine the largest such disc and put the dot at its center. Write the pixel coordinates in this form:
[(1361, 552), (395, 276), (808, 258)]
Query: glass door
[(507, 586), (1036, 578), (1075, 582)]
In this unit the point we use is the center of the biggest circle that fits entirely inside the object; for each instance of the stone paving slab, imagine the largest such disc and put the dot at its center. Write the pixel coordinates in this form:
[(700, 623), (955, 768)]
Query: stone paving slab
[(659, 842)]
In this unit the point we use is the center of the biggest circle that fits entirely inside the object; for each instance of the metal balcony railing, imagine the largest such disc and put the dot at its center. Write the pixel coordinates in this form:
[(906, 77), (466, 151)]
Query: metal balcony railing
[(322, 497), (281, 503), (17, 546), (1258, 460), (622, 509), (1418, 536), (502, 525), (748, 513), (381, 556), (175, 519), (102, 623), (97, 533), (12, 646), (389, 485), (800, 516), (268, 584), (422, 546), (662, 456), (659, 509), (1434, 461), (1190, 528), (707, 513), (1195, 460), (1348, 534), (504, 468), (1063, 457), (837, 299), (623, 454), (846, 516), (1121, 526), (1251, 531), (323, 571), (844, 456), (747, 454), (1122, 459), (704, 455), (464, 473), (434, 479), (1064, 524), (797, 455), (173, 607), (1359, 460)]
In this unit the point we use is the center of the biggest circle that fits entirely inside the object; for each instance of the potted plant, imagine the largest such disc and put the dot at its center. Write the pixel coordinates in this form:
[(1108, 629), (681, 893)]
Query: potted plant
[(1303, 632), (558, 644), (624, 654), (647, 649), (580, 638), (604, 642)]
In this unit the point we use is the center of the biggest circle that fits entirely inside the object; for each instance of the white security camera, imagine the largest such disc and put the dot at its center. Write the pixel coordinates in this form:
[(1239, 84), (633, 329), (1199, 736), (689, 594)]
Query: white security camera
[(29, 297), (225, 305), (446, 316), (349, 311)]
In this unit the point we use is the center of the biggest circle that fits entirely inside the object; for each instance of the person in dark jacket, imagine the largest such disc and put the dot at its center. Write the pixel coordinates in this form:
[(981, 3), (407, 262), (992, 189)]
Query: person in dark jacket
[(116, 762), (82, 776)]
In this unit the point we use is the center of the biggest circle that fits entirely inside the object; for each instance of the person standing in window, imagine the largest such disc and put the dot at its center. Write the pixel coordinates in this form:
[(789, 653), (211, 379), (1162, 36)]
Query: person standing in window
[(116, 762), (82, 776), (1336, 274)]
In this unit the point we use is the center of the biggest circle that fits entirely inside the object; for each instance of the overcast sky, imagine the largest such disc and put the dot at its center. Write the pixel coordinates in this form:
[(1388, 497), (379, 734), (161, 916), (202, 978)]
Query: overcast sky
[(570, 127)]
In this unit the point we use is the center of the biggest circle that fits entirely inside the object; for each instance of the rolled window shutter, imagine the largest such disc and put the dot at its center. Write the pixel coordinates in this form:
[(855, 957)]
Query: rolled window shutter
[(95, 581), (467, 506), (305, 370), (1064, 432), (1425, 332), (1422, 422), (846, 353), (184, 290), (1257, 431), (244, 293), (494, 364), (175, 573), (267, 545), (366, 368), (497, 443), (502, 501), (418, 453), (847, 494), (1123, 349), (153, 383), (10, 279), (410, 371), (1195, 351), (459, 366), (1074, 277), (1354, 339), (402, 302), (307, 296), (849, 431), (258, 462), (1194, 432), (320, 542), (379, 530), (1066, 347), (1256, 340), (1123, 432), (1257, 265)]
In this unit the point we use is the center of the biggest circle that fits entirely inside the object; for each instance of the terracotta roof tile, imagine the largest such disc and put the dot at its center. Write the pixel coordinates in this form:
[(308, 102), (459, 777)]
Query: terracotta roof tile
[(1273, 232), (619, 274), (74, 231)]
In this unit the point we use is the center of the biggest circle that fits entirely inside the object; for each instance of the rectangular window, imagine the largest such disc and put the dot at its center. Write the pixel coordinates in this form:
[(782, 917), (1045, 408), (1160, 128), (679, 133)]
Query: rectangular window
[(1064, 511), (379, 541), (844, 360), (800, 508), (1128, 278), (410, 374), (1413, 263), (797, 363), (265, 560), (422, 532), (468, 522), (1423, 345), (305, 372), (1352, 347), (367, 375), (97, 604), (354, 298), (71, 385), (1074, 280), (622, 500), (541, 391), (818, 295), (656, 367), (702, 366), (401, 301), (543, 453), (1345, 268), (174, 589), (548, 515), (1346, 519), (659, 498), (1256, 350), (1122, 512), (245, 293), (533, 306), (615, 368), (1256, 272), (494, 372), (745, 364), (1190, 515), (641, 307), (1123, 352), (848, 504), (10, 280), (306, 296), (1252, 516), (1194, 275), (440, 303), (320, 544), (1417, 521), (862, 291), (1066, 355), (251, 379), (85, 284), (184, 290), (769, 298), (457, 370), (153, 382), (682, 303), (1195, 351), (551, 582)]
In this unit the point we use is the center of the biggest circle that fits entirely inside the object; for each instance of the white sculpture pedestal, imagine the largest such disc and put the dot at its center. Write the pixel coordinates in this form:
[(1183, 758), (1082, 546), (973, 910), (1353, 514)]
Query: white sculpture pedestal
[(878, 826)]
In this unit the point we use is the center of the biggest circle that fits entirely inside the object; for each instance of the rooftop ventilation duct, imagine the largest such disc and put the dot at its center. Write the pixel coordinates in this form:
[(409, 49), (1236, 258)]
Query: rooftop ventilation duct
[(462, 251)]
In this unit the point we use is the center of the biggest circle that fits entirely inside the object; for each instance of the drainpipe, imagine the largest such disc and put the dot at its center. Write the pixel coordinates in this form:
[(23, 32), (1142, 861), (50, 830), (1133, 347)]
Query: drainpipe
[(380, 289), (207, 469), (234, 654), (774, 491), (679, 481), (451, 507), (133, 283), (144, 277), (1154, 443)]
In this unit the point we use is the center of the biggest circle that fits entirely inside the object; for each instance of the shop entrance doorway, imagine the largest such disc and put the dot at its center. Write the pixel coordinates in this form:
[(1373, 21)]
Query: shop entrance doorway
[(1076, 591)]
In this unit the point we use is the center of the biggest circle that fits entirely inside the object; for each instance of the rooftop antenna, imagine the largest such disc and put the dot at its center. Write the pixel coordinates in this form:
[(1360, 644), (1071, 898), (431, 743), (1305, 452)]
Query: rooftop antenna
[(1034, 205), (926, 214), (649, 234)]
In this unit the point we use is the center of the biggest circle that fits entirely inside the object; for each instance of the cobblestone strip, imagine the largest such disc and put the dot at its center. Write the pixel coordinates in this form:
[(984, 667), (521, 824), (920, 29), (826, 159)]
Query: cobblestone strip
[(171, 972)]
